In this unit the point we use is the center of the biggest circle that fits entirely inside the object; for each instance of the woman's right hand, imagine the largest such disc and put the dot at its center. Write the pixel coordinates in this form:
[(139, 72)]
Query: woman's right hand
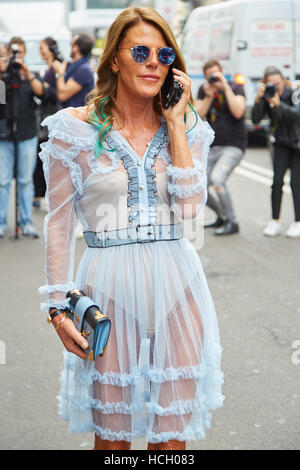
[(260, 91), (70, 336)]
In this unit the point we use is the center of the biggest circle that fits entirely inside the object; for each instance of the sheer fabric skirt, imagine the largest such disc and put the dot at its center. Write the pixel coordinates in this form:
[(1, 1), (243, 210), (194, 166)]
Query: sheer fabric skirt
[(160, 375)]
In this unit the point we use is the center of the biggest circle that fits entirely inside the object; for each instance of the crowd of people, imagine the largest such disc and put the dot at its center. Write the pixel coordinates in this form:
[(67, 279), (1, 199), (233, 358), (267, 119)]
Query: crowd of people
[(223, 104), (220, 101), (63, 85)]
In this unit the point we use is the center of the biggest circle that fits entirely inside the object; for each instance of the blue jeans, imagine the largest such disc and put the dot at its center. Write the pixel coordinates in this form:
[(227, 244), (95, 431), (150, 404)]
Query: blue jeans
[(27, 155)]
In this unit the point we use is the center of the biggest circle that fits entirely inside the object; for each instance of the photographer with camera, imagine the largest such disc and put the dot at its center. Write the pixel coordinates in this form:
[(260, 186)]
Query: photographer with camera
[(75, 81), (18, 139), (49, 105), (223, 104), (275, 100)]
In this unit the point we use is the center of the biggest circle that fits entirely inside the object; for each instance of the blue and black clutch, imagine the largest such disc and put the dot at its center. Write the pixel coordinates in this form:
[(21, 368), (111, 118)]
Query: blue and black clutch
[(90, 322)]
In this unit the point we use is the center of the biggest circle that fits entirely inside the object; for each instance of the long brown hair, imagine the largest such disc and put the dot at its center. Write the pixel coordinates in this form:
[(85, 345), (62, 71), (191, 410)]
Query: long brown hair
[(102, 98)]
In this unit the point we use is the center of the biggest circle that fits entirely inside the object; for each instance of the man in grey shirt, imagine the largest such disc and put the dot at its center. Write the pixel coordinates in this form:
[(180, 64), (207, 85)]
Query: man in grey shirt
[(223, 104)]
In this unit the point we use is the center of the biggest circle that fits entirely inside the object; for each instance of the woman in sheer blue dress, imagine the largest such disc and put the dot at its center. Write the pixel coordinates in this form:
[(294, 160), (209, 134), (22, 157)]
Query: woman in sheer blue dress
[(126, 166)]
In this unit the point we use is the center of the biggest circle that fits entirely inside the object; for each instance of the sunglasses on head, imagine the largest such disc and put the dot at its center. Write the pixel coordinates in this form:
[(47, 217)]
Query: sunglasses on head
[(141, 54)]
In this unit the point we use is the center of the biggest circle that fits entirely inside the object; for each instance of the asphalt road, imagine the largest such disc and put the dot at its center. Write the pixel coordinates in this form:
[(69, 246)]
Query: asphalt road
[(255, 284)]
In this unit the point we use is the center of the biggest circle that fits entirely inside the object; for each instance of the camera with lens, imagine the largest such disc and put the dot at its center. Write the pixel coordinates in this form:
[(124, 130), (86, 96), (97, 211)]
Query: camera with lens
[(56, 53), (270, 90), (212, 79), (12, 74)]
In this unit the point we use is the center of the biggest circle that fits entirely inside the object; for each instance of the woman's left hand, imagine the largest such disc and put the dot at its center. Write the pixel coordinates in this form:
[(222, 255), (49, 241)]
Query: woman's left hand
[(176, 113)]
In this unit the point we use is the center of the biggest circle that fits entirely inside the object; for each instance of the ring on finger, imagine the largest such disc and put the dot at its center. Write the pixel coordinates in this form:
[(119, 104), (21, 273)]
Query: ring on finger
[(60, 323), (180, 84)]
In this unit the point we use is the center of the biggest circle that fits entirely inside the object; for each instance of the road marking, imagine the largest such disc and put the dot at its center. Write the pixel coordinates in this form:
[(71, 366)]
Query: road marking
[(257, 168), (260, 169), (260, 174), (2, 353)]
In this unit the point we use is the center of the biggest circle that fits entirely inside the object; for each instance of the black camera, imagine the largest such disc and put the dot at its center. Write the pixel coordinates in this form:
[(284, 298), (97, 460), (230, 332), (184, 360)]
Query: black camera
[(56, 54), (212, 79), (12, 74), (270, 90)]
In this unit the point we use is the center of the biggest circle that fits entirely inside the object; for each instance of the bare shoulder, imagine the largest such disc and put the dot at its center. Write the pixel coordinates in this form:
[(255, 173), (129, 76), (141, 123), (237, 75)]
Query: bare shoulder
[(79, 113)]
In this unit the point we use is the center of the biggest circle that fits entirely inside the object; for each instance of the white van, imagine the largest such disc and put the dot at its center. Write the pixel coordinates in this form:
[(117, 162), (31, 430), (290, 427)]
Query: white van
[(245, 36)]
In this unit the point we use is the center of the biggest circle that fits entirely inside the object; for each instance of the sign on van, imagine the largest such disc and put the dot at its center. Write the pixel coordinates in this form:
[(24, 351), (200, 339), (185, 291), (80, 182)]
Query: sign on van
[(271, 38)]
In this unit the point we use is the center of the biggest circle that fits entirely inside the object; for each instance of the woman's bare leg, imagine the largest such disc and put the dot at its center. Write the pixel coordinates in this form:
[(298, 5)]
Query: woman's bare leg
[(169, 445), (101, 444)]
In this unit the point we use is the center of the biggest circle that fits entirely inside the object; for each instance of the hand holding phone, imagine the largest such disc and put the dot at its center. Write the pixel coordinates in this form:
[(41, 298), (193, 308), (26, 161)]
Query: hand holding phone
[(171, 91)]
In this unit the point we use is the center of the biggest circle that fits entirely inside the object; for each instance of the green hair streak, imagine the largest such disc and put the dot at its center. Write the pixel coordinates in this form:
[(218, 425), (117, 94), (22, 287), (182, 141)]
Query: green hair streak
[(99, 124)]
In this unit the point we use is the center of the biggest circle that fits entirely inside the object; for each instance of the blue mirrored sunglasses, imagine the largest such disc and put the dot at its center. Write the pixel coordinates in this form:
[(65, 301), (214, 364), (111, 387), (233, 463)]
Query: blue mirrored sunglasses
[(140, 54)]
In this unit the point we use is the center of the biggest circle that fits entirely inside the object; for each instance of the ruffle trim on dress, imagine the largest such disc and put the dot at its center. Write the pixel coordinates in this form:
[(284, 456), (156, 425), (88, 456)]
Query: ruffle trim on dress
[(89, 374), (97, 167), (154, 438), (187, 190), (180, 173), (116, 152), (107, 434), (154, 149), (44, 306), (77, 410), (212, 399), (106, 408), (180, 407), (67, 157), (202, 132), (187, 435), (58, 128), (49, 288), (177, 408)]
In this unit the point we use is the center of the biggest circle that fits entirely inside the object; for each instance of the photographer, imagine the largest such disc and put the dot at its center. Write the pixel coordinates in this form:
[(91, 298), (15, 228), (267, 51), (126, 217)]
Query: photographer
[(18, 125), (74, 82), (223, 104), (274, 99)]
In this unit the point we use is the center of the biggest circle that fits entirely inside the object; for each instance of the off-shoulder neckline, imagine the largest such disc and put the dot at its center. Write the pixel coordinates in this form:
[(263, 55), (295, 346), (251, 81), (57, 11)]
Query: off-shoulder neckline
[(162, 120), (77, 119)]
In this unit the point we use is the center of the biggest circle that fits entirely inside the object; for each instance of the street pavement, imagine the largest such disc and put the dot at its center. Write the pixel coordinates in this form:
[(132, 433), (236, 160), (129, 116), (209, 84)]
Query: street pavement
[(255, 285)]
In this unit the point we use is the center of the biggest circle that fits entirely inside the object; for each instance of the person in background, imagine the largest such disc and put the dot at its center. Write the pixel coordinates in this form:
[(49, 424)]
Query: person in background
[(223, 104), (30, 86), (73, 83), (275, 100), (49, 106), (76, 81)]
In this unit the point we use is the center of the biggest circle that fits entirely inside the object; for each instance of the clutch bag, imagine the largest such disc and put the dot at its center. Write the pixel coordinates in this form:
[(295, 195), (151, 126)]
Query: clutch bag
[(90, 322)]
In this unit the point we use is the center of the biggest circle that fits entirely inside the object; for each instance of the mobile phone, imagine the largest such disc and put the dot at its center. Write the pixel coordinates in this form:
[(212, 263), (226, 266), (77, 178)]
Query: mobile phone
[(171, 91)]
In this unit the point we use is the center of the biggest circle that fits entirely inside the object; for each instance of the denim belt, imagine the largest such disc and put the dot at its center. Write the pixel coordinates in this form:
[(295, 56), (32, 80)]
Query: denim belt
[(137, 234)]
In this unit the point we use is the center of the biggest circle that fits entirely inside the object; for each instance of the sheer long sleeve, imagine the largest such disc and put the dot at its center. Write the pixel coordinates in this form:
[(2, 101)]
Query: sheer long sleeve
[(63, 179), (187, 187)]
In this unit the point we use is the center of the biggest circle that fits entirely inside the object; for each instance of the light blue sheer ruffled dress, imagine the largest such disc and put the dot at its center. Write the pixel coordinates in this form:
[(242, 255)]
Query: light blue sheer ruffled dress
[(160, 376)]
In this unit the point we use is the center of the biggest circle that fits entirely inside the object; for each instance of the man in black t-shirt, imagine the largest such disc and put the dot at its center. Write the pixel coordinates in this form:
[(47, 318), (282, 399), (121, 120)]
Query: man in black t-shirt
[(19, 126), (223, 104)]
